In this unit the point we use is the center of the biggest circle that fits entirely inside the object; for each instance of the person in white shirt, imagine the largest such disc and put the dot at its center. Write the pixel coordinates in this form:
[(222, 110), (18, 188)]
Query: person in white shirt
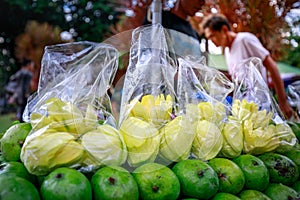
[(241, 46)]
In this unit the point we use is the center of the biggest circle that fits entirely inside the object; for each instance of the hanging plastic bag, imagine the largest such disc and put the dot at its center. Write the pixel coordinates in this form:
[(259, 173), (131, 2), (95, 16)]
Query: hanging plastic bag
[(148, 96), (253, 106), (71, 118), (205, 113), (214, 82)]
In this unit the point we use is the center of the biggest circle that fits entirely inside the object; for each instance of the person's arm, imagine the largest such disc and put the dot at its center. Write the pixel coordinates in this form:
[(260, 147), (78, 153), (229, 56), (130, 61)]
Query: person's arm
[(272, 68)]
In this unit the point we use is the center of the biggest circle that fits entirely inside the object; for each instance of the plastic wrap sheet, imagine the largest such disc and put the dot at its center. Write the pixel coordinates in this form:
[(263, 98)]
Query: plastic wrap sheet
[(148, 96), (254, 107), (71, 118), (151, 70)]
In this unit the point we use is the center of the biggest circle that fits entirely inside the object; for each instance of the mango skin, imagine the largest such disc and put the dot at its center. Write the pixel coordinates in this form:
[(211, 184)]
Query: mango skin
[(13, 139), (278, 191), (197, 179), (281, 168), (231, 177), (256, 172), (114, 183), (157, 182)]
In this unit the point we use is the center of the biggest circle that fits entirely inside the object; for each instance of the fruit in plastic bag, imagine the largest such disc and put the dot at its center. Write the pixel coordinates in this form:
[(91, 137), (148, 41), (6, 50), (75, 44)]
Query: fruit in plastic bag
[(64, 117), (286, 136), (192, 112), (46, 151), (232, 138), (260, 140), (156, 110), (243, 110), (177, 139), (208, 140), (261, 118), (212, 112), (13, 139), (142, 140), (105, 145), (260, 133)]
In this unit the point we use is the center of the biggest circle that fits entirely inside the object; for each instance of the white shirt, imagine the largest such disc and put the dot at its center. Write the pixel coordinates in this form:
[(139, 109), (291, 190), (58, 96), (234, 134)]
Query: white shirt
[(245, 46)]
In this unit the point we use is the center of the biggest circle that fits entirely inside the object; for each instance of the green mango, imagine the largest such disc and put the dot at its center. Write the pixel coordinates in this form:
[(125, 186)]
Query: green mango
[(114, 183), (197, 179), (278, 191), (13, 139), (12, 188), (281, 168)]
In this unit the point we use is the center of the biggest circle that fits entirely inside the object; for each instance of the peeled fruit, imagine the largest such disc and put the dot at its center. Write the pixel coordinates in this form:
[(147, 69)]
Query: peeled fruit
[(197, 179), (105, 145), (12, 141), (278, 191), (255, 171), (47, 151), (231, 177), (114, 183), (177, 139), (154, 109), (66, 183), (281, 168), (64, 116), (142, 140), (156, 181), (232, 138), (12, 188), (214, 113), (208, 140)]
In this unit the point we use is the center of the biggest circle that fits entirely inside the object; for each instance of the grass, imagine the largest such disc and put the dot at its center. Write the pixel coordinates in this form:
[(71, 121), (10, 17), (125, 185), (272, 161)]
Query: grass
[(6, 121)]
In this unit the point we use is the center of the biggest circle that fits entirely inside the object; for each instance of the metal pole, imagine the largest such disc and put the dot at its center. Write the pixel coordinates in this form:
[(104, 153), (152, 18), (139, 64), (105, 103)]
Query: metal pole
[(156, 8)]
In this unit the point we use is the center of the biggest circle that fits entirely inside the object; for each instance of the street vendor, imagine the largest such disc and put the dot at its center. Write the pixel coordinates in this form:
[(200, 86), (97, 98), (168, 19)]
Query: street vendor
[(241, 46)]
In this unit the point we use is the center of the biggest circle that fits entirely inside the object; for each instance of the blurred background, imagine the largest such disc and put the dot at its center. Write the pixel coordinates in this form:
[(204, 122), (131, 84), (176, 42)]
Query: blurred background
[(27, 26)]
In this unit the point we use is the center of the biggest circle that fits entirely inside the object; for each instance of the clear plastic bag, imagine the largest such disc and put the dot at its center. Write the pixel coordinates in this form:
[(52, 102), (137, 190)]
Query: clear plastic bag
[(254, 107), (204, 114), (209, 79), (71, 118), (148, 96)]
